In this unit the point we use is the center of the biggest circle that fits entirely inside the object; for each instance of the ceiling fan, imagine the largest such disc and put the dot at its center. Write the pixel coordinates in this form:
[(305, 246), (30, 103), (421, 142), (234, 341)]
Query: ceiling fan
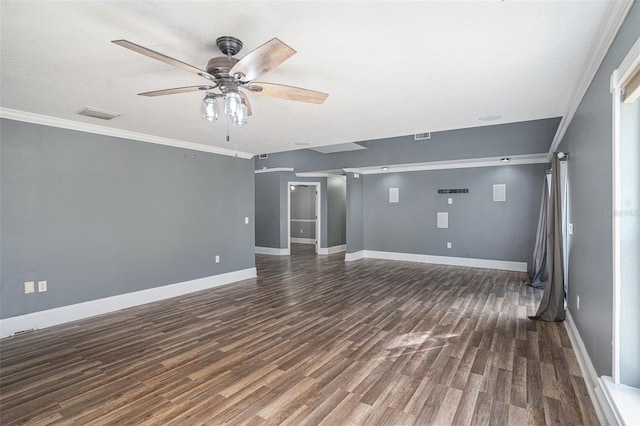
[(228, 75)]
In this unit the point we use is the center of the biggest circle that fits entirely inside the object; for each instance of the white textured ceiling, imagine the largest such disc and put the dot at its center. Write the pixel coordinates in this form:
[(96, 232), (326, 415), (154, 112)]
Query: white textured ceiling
[(390, 68)]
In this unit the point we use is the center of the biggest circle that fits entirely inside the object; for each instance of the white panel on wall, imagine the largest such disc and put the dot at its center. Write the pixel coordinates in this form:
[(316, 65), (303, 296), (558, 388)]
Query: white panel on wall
[(500, 192), (394, 195), (443, 220)]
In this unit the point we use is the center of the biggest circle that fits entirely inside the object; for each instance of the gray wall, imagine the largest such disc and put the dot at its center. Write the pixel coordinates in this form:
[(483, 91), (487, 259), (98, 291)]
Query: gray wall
[(355, 213), (303, 207), (336, 211), (267, 201), (478, 227), (97, 216), (588, 140), (528, 137)]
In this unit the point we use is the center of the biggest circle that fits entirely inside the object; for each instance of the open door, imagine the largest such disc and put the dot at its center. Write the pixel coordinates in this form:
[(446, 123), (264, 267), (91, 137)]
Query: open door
[(304, 217)]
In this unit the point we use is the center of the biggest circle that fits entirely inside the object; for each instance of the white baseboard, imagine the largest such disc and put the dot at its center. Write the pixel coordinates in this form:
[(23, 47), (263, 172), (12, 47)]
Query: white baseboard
[(350, 257), (303, 240), (600, 402), (63, 314), (272, 251), (446, 260), (332, 250)]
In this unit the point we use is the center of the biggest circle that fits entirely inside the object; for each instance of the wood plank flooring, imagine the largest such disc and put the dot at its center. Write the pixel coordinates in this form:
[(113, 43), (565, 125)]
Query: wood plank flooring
[(313, 340)]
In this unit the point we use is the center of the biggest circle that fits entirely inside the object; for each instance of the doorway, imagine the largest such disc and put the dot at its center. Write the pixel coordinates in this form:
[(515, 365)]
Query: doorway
[(304, 225)]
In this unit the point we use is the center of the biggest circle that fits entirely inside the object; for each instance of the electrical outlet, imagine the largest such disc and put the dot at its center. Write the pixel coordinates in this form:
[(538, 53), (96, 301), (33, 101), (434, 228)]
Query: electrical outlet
[(42, 286), (246, 220), (450, 201), (448, 245), (578, 302), (217, 259), (29, 287)]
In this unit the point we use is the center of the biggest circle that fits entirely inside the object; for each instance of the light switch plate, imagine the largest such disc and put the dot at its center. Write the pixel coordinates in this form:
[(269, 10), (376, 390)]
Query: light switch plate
[(217, 259), (246, 220), (448, 245), (29, 287), (394, 195), (450, 201), (570, 228), (42, 286)]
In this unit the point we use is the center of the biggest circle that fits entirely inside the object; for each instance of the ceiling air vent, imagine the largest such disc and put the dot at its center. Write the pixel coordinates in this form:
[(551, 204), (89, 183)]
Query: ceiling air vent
[(422, 136), (263, 156), (98, 113)]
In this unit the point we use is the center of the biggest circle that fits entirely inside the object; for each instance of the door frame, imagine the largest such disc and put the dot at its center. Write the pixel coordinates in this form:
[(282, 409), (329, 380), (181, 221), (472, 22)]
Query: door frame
[(318, 210)]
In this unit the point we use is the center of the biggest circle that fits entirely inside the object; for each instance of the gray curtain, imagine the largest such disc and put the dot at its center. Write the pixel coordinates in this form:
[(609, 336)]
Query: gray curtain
[(538, 266), (552, 304)]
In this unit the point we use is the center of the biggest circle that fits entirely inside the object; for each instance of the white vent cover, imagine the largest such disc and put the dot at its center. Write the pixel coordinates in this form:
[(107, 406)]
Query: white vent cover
[(422, 136), (263, 156), (442, 220), (97, 113)]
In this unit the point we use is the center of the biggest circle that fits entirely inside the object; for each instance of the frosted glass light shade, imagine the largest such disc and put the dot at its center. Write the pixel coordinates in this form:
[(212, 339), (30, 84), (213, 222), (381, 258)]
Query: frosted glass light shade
[(240, 119), (232, 102), (209, 108)]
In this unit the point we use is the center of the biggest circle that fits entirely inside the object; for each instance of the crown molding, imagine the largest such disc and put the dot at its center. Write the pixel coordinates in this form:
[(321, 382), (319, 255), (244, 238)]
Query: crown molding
[(45, 120), (318, 175), (273, 169), (616, 13), (466, 163)]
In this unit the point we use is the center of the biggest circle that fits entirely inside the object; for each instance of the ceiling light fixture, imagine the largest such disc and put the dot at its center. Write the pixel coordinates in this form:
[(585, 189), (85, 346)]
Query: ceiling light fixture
[(505, 160), (210, 107), (385, 168), (234, 107)]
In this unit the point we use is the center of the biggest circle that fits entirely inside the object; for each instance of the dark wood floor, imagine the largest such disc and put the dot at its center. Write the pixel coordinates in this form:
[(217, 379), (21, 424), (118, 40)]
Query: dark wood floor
[(314, 340)]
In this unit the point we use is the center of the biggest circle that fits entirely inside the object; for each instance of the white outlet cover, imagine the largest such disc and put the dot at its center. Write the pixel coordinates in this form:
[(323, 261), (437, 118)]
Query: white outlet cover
[(42, 286), (450, 201), (29, 287), (570, 228), (448, 245), (217, 259), (246, 220)]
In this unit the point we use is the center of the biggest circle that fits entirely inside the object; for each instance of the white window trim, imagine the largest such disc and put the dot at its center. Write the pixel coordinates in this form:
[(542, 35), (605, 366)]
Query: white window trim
[(618, 79)]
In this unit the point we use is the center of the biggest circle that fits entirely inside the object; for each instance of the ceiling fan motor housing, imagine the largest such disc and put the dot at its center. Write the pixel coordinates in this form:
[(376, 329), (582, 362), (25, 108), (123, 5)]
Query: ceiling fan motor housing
[(219, 67), (229, 45)]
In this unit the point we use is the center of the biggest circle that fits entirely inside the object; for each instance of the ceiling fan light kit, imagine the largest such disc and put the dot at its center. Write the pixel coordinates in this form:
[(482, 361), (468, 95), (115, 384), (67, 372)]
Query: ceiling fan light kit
[(229, 75), (209, 107)]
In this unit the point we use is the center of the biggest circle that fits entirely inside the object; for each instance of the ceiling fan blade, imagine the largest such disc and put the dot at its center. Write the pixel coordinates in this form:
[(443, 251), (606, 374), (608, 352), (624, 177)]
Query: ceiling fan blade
[(245, 99), (163, 58), (263, 59), (176, 90), (289, 93)]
